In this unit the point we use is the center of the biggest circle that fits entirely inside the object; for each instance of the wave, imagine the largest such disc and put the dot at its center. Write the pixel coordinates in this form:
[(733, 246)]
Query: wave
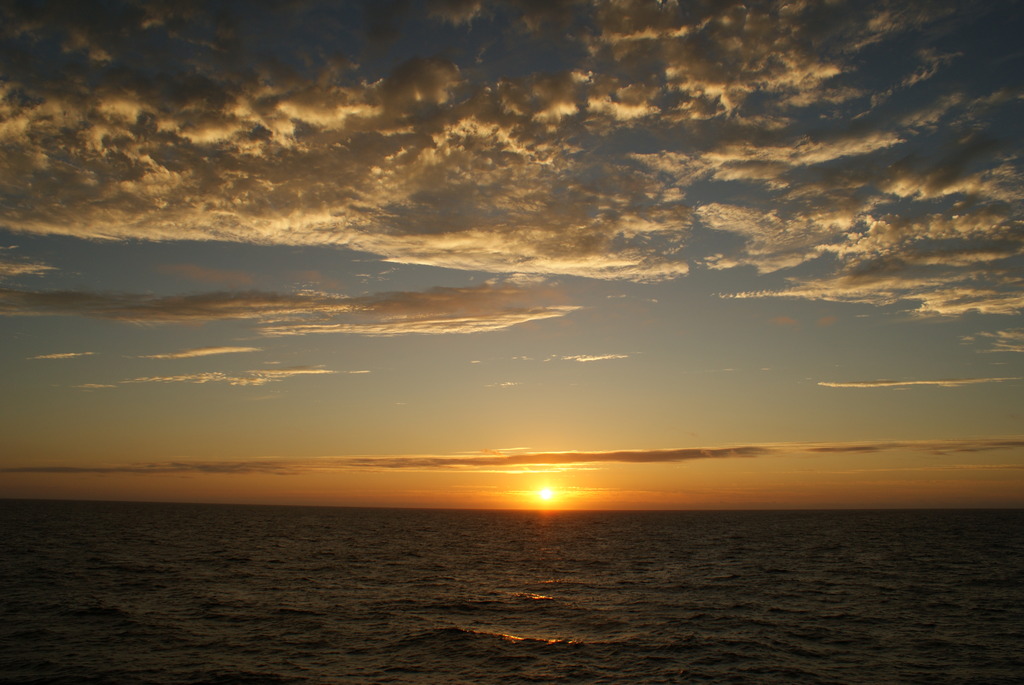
[(484, 599)]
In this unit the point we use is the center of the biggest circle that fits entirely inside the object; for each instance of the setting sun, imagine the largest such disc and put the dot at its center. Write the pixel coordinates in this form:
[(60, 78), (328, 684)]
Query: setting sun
[(486, 341)]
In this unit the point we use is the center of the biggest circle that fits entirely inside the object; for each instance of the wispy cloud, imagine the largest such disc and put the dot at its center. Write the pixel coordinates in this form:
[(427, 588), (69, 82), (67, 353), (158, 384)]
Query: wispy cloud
[(256, 377), (271, 466), (488, 307), (934, 290), (937, 467), (561, 458), (200, 352), (63, 355), (491, 460), (592, 357), (425, 324), (12, 266), (944, 382), (929, 446), (1011, 340), (136, 308)]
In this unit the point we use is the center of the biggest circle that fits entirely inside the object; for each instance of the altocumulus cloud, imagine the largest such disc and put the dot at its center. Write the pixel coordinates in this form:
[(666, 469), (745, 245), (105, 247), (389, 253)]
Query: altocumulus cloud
[(899, 185)]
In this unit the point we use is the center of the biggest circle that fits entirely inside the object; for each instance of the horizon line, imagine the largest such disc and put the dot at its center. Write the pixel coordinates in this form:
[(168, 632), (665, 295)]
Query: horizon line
[(541, 510)]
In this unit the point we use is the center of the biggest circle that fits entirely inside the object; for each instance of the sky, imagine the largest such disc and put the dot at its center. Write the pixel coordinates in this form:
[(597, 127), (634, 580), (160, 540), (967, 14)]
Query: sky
[(452, 253)]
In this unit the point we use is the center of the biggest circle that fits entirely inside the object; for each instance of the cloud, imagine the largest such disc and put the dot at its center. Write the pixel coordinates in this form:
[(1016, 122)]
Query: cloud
[(11, 269), (525, 458), (914, 177), (136, 308), (488, 307), (63, 355), (770, 125), (951, 281), (950, 467), (485, 308), (593, 357), (257, 377), (200, 352), (1011, 340), (11, 266), (455, 11), (415, 165), (929, 446), (943, 382), (266, 467), (491, 460), (772, 242), (426, 324), (716, 54)]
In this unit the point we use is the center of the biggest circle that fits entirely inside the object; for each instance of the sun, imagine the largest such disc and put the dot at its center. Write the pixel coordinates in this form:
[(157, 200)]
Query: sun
[(545, 494)]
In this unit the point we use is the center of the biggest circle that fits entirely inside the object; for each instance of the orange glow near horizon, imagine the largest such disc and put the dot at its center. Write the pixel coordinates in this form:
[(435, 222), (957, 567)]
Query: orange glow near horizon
[(469, 267), (893, 477)]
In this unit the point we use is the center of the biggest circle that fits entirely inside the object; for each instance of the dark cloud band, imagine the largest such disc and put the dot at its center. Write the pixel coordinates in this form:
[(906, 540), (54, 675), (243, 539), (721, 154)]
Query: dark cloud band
[(522, 460)]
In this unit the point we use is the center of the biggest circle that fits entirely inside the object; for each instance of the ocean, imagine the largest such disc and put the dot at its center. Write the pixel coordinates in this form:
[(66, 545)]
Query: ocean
[(124, 593)]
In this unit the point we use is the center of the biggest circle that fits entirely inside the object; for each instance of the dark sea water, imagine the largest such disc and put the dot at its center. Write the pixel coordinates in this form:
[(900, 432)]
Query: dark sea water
[(174, 593)]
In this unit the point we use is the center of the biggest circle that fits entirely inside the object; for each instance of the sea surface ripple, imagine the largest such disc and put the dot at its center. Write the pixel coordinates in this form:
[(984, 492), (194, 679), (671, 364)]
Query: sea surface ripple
[(132, 593)]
